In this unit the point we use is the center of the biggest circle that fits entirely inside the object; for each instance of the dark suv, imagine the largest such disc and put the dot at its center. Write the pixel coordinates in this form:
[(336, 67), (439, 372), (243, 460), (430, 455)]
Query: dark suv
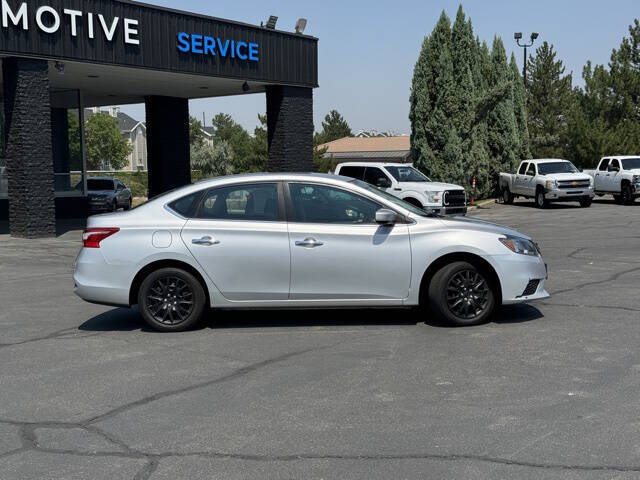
[(107, 194)]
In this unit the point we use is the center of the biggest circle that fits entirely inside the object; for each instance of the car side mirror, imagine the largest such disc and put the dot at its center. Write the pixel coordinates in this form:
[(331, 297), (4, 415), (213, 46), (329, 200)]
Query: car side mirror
[(387, 217), (383, 183)]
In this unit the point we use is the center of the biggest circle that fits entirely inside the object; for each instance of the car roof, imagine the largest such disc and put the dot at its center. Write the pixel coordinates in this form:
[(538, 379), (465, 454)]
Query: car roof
[(621, 157), (545, 160), (374, 164)]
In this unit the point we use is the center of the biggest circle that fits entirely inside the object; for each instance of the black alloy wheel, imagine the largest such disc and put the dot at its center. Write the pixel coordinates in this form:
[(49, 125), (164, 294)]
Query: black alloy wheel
[(462, 294), (171, 299)]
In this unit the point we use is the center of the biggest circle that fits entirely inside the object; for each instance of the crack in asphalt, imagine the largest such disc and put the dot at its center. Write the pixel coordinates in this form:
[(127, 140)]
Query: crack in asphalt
[(50, 336), (603, 307), (611, 278)]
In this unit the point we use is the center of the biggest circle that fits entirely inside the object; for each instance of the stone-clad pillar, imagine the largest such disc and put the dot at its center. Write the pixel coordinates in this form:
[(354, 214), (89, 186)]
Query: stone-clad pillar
[(168, 155), (290, 129), (29, 151)]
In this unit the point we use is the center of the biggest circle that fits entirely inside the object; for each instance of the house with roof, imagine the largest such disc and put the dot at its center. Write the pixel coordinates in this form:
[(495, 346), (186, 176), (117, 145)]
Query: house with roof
[(395, 149)]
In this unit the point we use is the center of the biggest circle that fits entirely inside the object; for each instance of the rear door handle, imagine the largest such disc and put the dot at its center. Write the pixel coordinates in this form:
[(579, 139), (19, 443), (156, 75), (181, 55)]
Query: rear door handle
[(309, 243), (205, 241)]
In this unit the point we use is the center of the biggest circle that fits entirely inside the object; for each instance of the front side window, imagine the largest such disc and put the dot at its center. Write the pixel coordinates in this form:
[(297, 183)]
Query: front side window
[(556, 167), (615, 164), (373, 175), (326, 204), (257, 202), (407, 174), (96, 185), (631, 163), (532, 170)]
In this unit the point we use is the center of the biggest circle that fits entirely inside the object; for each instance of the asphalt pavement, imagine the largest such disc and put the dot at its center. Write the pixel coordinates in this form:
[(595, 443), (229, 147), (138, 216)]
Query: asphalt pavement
[(548, 390)]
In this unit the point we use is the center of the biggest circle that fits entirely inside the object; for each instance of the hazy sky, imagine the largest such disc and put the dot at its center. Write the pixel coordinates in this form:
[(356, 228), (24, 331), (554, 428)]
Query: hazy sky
[(367, 49)]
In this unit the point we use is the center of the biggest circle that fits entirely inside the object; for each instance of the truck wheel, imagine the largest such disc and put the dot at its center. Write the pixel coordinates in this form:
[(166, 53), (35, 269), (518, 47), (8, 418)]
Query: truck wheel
[(462, 294), (541, 201), (617, 199), (507, 197), (171, 300), (627, 195), (586, 202)]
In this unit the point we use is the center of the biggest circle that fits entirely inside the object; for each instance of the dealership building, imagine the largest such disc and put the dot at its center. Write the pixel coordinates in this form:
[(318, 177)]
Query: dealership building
[(61, 56)]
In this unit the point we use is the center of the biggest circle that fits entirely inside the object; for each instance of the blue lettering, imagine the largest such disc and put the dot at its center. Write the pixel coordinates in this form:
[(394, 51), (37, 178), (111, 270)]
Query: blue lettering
[(196, 43), (239, 45), (209, 46), (233, 49), (221, 49), (183, 42), (253, 52)]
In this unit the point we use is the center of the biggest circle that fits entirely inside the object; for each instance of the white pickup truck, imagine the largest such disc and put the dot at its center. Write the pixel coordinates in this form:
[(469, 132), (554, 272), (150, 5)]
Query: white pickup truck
[(618, 176), (406, 182), (548, 180)]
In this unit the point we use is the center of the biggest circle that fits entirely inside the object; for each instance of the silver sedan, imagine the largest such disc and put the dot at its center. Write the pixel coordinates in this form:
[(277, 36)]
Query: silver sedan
[(300, 240)]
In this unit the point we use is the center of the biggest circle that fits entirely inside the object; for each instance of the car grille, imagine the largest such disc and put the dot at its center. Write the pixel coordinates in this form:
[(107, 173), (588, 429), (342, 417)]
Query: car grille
[(454, 198), (570, 184), (532, 287)]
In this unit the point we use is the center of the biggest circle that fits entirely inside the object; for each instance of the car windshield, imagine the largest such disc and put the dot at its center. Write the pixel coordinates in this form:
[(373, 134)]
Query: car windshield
[(394, 200), (407, 174), (631, 163), (556, 167), (97, 185)]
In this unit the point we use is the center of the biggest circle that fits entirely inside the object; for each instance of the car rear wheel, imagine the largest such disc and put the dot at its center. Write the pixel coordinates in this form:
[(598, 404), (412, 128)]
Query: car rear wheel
[(461, 294), (507, 197), (171, 300)]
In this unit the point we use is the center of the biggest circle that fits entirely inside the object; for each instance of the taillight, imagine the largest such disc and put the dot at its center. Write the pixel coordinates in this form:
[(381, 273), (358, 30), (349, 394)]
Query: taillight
[(92, 237)]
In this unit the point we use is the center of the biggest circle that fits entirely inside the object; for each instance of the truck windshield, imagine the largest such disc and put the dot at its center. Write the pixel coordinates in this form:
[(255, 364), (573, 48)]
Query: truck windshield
[(556, 167), (631, 163), (407, 174), (392, 199)]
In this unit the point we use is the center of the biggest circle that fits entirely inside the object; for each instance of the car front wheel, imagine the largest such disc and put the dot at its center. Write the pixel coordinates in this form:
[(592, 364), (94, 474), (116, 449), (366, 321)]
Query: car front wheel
[(541, 201), (461, 294), (586, 202), (171, 300)]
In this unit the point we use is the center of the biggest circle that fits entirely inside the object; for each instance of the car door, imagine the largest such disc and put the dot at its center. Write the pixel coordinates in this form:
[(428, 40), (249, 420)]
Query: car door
[(600, 180), (338, 251), (530, 180), (613, 176), (239, 237), (520, 180)]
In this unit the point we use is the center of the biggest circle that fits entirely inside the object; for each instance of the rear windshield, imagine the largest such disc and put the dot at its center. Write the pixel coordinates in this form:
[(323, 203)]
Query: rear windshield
[(95, 185), (631, 163), (556, 167)]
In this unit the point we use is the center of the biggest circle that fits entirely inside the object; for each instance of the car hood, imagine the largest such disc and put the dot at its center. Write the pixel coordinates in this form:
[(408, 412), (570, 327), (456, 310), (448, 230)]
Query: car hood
[(429, 186), (633, 171), (576, 177), (475, 225)]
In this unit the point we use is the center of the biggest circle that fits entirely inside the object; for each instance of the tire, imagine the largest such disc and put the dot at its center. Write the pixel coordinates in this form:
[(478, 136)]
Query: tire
[(447, 293), (586, 202), (413, 202), (163, 286), (507, 197), (617, 199), (626, 196), (114, 207), (128, 205), (541, 201)]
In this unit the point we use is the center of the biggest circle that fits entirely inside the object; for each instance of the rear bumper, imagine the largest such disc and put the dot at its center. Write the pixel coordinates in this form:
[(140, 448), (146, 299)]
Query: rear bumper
[(96, 281)]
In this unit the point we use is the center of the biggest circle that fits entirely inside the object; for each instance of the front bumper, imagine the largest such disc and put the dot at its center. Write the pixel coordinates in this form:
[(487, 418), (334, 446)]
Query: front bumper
[(518, 274), (450, 211), (570, 194)]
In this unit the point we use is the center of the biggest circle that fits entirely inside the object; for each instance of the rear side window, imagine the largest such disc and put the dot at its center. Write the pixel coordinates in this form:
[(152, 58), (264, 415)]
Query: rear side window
[(523, 169), (353, 172), (257, 202), (185, 206)]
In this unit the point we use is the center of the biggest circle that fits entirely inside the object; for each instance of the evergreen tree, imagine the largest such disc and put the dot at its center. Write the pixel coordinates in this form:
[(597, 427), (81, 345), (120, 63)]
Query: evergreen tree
[(334, 127), (549, 100)]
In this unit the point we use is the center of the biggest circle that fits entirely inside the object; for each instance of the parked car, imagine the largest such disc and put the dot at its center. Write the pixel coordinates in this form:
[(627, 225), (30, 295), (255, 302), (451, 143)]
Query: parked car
[(406, 182), (107, 194), (548, 180), (300, 241), (618, 176)]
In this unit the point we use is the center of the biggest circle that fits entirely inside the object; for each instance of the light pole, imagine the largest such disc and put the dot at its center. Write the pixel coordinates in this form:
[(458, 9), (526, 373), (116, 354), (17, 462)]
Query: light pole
[(518, 37)]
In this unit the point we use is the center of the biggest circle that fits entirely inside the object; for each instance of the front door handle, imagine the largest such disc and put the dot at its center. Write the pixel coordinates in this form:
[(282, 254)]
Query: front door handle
[(309, 243), (205, 241)]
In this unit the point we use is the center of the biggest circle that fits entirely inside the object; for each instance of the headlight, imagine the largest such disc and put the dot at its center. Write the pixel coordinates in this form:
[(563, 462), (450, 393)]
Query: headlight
[(520, 245), (433, 197), (552, 185)]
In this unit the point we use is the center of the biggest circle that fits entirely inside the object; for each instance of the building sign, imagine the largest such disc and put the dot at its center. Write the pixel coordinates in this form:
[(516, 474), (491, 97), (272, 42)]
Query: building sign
[(49, 20), (217, 46)]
